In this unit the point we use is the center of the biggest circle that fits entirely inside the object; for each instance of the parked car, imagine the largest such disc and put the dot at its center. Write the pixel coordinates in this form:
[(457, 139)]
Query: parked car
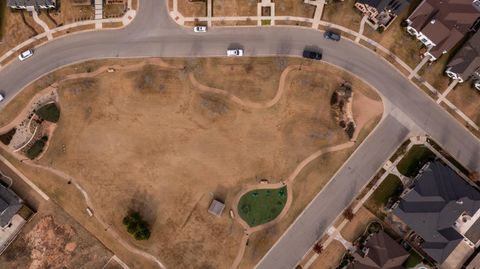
[(312, 55), (200, 29), (331, 35), (235, 52), (1, 97), (25, 55)]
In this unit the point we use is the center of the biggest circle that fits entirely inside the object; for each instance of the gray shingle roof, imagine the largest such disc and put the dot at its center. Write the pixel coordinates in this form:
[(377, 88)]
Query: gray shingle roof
[(467, 60), (10, 204), (431, 208), (383, 253), (31, 3)]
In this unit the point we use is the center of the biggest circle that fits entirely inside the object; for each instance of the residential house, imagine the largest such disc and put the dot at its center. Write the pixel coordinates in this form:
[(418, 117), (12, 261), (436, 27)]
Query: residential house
[(216, 208), (10, 204), (444, 211), (31, 4), (381, 12), (440, 25), (380, 252), (466, 63)]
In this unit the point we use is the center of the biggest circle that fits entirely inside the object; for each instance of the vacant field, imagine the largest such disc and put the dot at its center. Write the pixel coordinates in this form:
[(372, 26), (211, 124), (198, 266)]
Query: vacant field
[(52, 239), (152, 140), (234, 8), (192, 8)]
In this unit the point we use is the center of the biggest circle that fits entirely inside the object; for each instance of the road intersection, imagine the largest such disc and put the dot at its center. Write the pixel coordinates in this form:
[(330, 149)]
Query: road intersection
[(154, 34)]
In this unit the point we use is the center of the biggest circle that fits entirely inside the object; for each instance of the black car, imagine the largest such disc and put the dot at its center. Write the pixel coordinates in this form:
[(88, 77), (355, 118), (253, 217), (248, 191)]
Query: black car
[(331, 35), (312, 55)]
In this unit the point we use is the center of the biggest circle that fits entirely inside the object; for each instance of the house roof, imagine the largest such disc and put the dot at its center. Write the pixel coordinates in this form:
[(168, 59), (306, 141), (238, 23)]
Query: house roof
[(444, 22), (10, 204), (383, 252), (467, 60), (34, 3), (394, 6), (431, 208)]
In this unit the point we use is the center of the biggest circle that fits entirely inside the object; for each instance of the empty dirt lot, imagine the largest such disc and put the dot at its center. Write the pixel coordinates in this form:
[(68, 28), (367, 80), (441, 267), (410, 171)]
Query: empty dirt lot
[(156, 140)]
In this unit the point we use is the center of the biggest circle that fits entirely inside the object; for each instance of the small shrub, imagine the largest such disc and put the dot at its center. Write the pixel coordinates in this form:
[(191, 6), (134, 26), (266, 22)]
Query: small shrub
[(334, 99), (7, 137), (350, 130), (49, 112)]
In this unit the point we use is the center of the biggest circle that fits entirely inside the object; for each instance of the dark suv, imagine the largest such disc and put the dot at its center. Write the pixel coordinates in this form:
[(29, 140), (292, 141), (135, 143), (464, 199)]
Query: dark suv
[(331, 35), (312, 55)]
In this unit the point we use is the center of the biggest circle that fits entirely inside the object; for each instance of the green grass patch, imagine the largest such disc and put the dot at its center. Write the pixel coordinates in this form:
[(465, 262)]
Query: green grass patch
[(415, 159), (413, 260), (261, 206), (390, 187), (36, 148), (49, 112), (266, 22)]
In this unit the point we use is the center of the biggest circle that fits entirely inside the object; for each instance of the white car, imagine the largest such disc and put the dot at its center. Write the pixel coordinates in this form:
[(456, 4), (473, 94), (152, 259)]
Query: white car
[(235, 52), (200, 29), (25, 55), (1, 97)]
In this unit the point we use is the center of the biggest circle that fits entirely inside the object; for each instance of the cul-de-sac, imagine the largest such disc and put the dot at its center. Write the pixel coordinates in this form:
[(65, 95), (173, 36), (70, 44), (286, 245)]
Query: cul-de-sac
[(240, 134)]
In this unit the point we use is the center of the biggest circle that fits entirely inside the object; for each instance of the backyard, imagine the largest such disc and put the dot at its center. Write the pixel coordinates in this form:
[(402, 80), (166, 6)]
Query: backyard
[(261, 206)]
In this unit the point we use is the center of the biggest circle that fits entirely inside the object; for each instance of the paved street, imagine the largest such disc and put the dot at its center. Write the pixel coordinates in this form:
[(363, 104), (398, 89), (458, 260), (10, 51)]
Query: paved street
[(153, 33)]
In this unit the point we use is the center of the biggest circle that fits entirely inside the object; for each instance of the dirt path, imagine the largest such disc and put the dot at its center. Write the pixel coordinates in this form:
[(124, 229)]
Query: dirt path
[(246, 103)]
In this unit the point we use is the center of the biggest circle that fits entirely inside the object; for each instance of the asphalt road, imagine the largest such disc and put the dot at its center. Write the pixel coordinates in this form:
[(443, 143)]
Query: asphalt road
[(153, 33)]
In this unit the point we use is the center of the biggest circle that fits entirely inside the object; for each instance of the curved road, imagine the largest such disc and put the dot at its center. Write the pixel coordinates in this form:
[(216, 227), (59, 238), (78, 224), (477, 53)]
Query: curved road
[(153, 33)]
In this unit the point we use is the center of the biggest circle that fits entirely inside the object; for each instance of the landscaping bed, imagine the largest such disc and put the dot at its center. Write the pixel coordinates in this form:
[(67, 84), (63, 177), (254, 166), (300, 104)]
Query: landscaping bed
[(261, 206)]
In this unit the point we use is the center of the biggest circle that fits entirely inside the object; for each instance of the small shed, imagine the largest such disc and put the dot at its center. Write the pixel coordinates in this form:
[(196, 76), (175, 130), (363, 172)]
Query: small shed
[(216, 208)]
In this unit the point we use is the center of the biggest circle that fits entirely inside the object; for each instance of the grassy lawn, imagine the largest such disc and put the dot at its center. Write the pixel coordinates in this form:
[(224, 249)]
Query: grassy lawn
[(412, 260), (391, 186), (416, 157), (261, 206), (36, 148)]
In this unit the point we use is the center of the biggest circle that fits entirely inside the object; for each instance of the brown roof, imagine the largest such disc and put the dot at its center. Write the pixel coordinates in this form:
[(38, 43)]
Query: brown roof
[(383, 253), (444, 22), (467, 60)]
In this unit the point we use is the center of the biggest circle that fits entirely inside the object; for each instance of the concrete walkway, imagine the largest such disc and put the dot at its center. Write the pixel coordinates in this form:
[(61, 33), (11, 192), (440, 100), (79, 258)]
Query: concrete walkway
[(317, 17), (418, 67), (45, 27), (447, 91), (98, 14), (361, 29)]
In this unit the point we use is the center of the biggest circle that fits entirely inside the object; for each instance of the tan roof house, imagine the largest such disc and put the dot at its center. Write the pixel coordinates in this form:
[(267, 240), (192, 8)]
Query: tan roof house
[(440, 25)]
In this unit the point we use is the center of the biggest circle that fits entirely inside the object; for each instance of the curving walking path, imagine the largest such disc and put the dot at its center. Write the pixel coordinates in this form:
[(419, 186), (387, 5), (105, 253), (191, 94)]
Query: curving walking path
[(289, 183)]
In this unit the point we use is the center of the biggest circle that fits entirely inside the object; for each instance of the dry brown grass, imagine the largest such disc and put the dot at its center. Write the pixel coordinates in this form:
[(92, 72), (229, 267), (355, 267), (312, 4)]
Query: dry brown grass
[(192, 8), (330, 257), (15, 31), (343, 13), (295, 8), (234, 8), (357, 225), (148, 140), (466, 98), (69, 13)]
